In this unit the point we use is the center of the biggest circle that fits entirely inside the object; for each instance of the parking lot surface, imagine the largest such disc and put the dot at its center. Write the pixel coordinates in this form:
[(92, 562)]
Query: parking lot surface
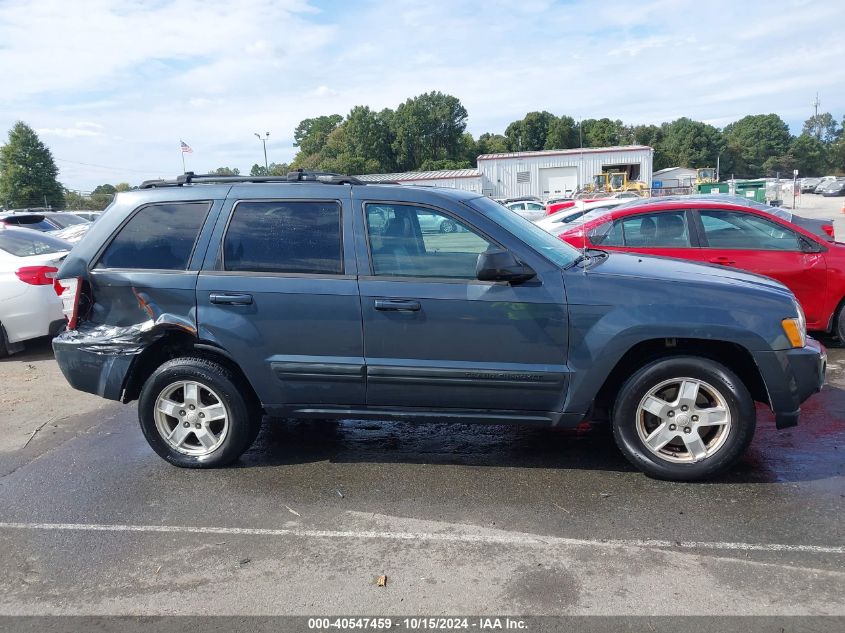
[(459, 518)]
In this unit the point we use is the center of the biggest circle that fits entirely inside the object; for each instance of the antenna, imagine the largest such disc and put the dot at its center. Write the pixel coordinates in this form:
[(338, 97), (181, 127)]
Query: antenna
[(581, 206), (816, 104)]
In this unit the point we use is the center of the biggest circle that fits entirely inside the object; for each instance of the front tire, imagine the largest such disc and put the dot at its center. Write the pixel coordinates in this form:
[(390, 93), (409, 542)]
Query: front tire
[(193, 413), (448, 226), (683, 418)]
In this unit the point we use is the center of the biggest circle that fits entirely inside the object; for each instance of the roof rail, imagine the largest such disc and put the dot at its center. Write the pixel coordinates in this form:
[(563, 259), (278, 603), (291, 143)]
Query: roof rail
[(298, 175)]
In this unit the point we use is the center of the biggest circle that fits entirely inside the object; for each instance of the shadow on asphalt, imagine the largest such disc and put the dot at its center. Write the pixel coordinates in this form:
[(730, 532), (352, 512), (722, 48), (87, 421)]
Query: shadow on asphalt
[(814, 450), (36, 349)]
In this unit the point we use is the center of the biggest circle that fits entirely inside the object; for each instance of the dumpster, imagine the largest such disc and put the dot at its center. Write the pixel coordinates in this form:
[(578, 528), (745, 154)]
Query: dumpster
[(712, 187), (752, 190)]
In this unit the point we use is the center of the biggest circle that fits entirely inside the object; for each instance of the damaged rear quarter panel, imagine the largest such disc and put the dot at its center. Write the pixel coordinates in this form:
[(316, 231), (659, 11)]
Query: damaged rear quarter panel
[(131, 308)]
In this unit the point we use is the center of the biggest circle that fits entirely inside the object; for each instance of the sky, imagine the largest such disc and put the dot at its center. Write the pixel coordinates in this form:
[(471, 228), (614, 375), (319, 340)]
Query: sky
[(112, 86)]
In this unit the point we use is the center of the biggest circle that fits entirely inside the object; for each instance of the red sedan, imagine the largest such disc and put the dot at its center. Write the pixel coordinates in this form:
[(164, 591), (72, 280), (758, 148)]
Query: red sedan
[(729, 235)]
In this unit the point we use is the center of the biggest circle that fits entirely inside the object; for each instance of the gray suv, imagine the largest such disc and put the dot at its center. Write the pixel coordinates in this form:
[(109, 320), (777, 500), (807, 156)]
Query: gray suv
[(211, 300)]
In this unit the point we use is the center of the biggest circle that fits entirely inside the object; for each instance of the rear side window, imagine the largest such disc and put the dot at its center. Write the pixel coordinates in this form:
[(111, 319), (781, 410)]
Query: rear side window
[(665, 229), (284, 237), (22, 244), (158, 237)]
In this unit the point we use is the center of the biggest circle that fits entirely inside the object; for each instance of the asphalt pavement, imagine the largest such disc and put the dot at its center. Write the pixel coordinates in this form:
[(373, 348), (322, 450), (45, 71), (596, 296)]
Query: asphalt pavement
[(461, 519)]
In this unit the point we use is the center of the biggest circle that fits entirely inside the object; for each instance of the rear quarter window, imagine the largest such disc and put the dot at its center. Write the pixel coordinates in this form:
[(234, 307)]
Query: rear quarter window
[(157, 237)]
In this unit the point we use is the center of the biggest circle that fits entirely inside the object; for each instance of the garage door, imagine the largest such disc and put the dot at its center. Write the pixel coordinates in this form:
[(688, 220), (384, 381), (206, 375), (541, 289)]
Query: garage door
[(558, 181)]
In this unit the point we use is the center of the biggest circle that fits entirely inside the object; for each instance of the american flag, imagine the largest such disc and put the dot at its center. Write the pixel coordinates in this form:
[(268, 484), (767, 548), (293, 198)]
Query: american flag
[(186, 149)]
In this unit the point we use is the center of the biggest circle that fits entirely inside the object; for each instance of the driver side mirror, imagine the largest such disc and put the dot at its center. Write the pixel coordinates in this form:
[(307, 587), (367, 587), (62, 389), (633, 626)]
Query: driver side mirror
[(501, 265)]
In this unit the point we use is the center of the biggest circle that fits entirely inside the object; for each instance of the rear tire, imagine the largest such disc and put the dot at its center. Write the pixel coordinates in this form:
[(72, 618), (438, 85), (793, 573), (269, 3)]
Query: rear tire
[(684, 418), (839, 325), (194, 414), (4, 351)]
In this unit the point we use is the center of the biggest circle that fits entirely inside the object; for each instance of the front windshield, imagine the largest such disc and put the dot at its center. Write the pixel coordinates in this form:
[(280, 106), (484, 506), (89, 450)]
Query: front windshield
[(554, 249)]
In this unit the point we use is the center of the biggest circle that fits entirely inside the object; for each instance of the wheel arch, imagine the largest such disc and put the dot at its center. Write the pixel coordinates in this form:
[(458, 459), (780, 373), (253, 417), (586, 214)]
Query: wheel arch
[(176, 344), (732, 355)]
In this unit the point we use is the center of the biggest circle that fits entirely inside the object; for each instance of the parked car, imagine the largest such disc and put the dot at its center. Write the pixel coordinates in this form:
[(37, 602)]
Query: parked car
[(34, 221), (554, 207), (530, 210), (823, 182), (557, 222), (212, 299), (808, 185), (820, 227), (91, 216), (73, 233), (558, 199), (64, 219), (834, 188), (728, 234), (29, 300), (45, 221)]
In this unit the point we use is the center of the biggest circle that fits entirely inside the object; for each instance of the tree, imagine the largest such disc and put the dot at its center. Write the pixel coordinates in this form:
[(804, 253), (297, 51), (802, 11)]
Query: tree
[(28, 173), (753, 140), (226, 171), (427, 127), (362, 143), (808, 155), (311, 134), (563, 134), (529, 133), (446, 163), (688, 143), (102, 196), (275, 169), (125, 186), (491, 144), (823, 127), (602, 132), (652, 136)]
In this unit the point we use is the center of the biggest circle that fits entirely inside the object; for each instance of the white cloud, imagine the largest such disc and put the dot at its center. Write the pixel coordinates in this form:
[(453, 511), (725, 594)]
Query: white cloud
[(152, 73), (77, 131)]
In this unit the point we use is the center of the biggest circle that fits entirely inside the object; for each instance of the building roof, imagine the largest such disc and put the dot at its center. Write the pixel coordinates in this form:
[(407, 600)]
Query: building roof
[(668, 169), (555, 152), (421, 175)]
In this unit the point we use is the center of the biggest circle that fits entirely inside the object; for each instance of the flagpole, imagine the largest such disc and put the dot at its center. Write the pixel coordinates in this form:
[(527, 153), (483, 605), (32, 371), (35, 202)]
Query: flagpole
[(182, 151)]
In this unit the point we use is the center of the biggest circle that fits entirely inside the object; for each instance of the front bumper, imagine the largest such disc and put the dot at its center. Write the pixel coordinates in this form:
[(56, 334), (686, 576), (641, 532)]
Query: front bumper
[(791, 376)]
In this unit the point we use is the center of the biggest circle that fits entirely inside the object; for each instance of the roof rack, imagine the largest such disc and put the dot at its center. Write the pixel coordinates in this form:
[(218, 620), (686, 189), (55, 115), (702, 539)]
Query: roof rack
[(298, 175)]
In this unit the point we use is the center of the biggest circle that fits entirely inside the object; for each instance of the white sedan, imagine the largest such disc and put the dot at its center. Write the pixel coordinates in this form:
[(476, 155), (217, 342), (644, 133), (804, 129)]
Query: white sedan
[(528, 209), (29, 304), (557, 222)]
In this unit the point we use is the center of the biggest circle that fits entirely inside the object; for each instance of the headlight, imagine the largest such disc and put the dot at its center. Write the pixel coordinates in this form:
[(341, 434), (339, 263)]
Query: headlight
[(795, 328)]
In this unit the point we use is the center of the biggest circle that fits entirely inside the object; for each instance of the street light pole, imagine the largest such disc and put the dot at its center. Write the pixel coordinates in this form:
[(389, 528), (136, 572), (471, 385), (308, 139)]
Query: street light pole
[(263, 140)]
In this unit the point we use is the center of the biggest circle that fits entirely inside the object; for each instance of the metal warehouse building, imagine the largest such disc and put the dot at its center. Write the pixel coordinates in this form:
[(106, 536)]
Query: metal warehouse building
[(465, 179), (552, 173), (544, 174)]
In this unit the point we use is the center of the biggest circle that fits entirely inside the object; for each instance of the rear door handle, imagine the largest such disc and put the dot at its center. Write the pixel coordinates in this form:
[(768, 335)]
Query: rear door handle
[(722, 260), (397, 305), (230, 299)]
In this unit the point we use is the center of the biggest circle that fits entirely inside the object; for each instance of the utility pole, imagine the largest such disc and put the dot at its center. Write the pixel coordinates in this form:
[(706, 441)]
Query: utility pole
[(263, 140)]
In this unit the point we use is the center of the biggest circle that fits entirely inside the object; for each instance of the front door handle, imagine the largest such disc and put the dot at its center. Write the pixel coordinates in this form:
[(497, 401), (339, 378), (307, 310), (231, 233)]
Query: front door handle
[(397, 305), (230, 299), (725, 261)]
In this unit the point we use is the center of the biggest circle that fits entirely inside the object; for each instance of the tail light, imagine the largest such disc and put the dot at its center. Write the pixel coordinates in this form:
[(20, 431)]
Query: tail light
[(828, 228), (71, 289), (37, 275)]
